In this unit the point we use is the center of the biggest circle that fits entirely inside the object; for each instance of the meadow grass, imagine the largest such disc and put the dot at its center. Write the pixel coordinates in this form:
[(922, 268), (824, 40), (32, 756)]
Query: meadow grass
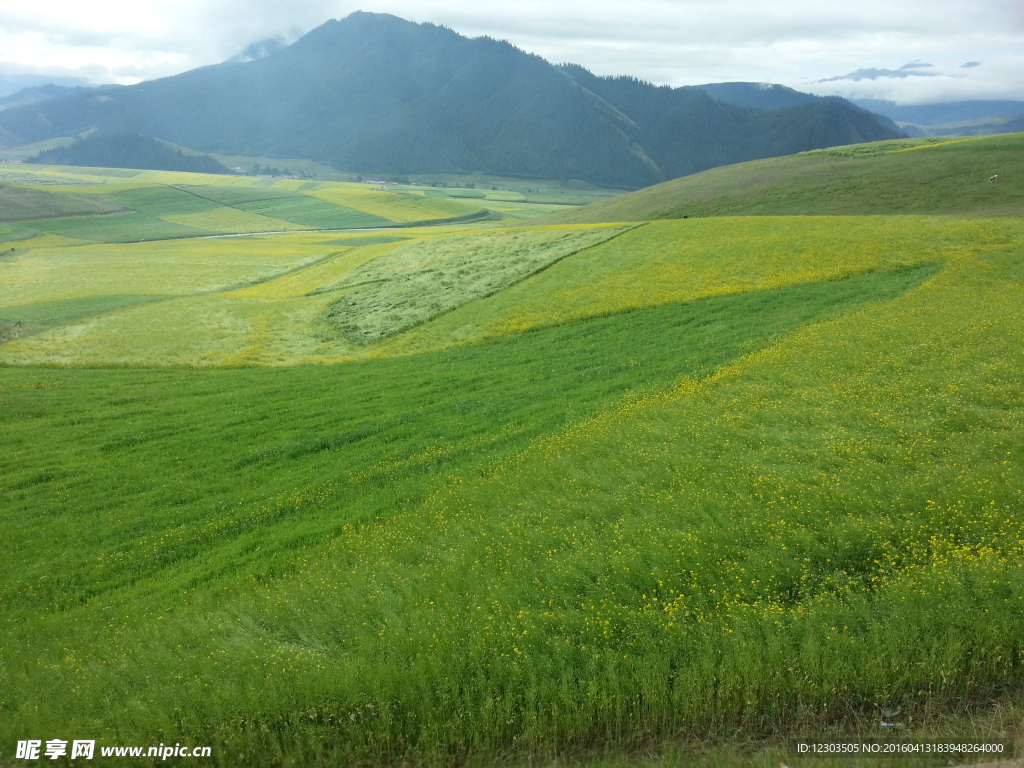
[(670, 261), (113, 173), (830, 525), (162, 201), (14, 232), (241, 490), (22, 236), (22, 203), (945, 178), (269, 320), (311, 212), (708, 478), (419, 281), (27, 319), (393, 207), (876, 148), (45, 274), (9, 176), (236, 194), (355, 242), (231, 220), (275, 322), (117, 228), (157, 205)]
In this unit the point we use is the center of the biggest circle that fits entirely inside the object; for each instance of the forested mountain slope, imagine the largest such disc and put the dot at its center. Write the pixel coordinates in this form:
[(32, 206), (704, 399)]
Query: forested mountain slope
[(374, 93)]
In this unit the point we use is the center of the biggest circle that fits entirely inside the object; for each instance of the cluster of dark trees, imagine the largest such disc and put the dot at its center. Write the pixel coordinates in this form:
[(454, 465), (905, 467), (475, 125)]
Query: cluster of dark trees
[(128, 150)]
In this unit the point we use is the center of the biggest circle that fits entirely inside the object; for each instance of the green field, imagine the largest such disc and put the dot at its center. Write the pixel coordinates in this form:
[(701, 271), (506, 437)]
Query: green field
[(669, 493), (25, 204), (910, 176), (422, 281), (160, 205)]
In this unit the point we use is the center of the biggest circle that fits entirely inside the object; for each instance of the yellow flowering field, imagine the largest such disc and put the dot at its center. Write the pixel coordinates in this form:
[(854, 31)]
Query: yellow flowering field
[(697, 479)]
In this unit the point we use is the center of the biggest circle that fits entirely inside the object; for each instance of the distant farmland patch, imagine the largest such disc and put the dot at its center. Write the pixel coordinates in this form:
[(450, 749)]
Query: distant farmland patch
[(355, 242), (236, 195), (311, 212), (25, 204), (23, 177), (118, 228)]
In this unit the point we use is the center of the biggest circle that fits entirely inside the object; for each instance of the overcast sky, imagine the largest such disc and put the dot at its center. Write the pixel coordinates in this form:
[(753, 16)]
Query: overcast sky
[(674, 42)]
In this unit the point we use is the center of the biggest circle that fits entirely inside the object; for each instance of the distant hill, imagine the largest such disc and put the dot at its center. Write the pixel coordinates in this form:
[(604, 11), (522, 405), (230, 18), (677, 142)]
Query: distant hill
[(10, 84), (986, 126), (898, 177), (37, 94), (685, 130), (258, 50), (759, 95), (775, 96), (942, 114), (913, 69), (127, 150), (373, 93)]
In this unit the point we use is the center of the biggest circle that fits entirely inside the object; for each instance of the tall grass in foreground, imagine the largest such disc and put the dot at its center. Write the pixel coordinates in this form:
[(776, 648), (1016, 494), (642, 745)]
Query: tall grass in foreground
[(746, 512), (829, 526)]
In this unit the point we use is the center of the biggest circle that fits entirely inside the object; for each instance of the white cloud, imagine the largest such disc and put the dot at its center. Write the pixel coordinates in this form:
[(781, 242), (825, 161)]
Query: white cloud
[(673, 42), (1001, 77)]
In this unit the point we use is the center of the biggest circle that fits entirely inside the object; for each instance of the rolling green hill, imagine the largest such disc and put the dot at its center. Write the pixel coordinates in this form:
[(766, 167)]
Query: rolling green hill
[(937, 176)]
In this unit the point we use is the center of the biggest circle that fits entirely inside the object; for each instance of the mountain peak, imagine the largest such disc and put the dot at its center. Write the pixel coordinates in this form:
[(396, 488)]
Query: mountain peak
[(918, 64), (259, 50), (373, 93)]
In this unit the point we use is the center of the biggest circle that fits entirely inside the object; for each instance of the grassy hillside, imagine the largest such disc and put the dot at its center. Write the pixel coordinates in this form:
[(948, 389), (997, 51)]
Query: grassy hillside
[(697, 477), (26, 204), (289, 299), (913, 176)]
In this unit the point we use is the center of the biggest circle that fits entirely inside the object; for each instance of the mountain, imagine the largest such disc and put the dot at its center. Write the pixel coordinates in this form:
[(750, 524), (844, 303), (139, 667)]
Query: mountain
[(259, 50), (685, 130), (986, 126), (758, 95), (36, 94), (13, 83), (373, 93), (128, 151), (913, 69), (775, 96), (944, 113)]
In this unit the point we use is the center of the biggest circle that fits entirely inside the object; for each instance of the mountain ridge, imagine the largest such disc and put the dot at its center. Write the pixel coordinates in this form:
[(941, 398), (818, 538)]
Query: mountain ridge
[(374, 93)]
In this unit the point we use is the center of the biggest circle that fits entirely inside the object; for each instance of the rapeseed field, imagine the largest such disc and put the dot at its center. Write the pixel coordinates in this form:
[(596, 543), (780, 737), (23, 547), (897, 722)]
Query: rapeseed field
[(539, 494)]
